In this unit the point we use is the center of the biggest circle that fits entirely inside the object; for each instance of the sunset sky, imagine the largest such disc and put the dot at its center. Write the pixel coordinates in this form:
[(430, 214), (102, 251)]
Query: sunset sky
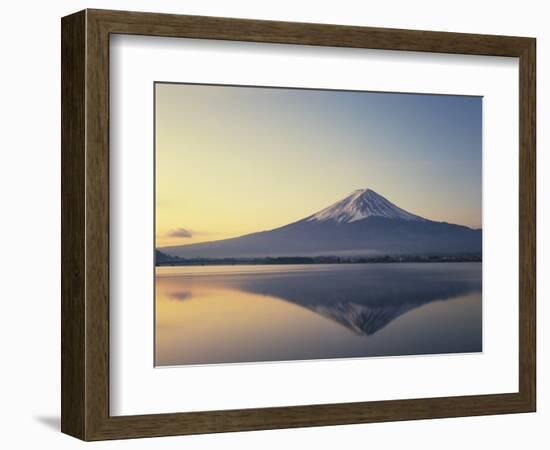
[(234, 160)]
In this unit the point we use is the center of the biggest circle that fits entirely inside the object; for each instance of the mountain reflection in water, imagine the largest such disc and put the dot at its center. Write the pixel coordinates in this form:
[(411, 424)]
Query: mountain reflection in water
[(215, 314)]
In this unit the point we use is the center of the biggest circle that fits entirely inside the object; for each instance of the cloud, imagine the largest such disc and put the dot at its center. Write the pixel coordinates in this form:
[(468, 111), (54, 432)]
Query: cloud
[(182, 295), (181, 233)]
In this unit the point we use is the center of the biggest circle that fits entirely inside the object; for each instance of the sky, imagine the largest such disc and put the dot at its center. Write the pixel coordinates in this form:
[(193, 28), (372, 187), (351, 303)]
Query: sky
[(232, 160)]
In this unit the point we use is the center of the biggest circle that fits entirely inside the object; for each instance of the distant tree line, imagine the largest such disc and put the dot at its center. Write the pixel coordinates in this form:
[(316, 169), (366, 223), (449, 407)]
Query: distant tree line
[(165, 260)]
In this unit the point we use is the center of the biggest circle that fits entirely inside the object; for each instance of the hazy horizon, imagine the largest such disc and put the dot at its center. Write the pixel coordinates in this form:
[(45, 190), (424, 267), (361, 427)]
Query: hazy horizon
[(235, 160)]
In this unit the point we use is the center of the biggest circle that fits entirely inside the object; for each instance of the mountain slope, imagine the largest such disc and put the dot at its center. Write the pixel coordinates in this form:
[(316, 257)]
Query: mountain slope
[(362, 223)]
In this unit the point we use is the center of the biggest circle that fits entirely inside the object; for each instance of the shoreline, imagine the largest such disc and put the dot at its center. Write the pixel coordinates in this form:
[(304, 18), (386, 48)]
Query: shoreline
[(320, 260)]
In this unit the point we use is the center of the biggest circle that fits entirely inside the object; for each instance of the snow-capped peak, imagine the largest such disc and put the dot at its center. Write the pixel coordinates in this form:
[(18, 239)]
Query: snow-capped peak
[(361, 204)]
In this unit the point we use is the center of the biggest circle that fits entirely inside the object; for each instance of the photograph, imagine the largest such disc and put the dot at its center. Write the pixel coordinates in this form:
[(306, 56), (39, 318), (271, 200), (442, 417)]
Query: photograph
[(309, 224)]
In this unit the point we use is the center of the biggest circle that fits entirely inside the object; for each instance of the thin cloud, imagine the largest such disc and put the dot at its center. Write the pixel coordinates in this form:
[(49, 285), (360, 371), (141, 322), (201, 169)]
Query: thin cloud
[(181, 295), (181, 233)]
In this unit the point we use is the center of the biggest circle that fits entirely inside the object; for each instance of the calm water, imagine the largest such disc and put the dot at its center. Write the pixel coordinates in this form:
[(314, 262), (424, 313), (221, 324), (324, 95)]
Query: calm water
[(221, 314)]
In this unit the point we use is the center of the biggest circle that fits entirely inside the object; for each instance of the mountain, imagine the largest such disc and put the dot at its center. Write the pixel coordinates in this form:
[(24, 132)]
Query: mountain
[(363, 223), (163, 258)]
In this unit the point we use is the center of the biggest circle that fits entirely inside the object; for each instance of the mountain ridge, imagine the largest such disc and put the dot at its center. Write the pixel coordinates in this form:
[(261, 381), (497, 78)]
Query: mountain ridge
[(362, 223)]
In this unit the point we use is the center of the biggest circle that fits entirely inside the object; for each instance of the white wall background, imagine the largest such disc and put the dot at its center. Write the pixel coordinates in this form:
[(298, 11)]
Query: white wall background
[(30, 225)]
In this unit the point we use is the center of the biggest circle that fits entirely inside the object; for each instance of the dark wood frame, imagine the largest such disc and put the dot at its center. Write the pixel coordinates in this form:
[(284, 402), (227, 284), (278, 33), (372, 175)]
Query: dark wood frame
[(85, 224)]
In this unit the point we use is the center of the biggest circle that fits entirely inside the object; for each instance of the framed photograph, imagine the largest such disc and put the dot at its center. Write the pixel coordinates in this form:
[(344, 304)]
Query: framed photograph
[(272, 224)]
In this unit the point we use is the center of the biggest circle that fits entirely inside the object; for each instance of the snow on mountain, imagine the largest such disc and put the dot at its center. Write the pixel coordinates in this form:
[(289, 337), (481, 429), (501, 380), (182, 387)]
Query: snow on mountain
[(361, 204)]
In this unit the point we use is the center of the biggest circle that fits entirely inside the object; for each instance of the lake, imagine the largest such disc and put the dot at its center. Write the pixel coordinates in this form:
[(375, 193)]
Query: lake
[(231, 314)]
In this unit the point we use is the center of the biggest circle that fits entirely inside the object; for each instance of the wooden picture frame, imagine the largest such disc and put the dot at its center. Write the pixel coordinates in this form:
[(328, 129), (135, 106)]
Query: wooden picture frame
[(85, 224)]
